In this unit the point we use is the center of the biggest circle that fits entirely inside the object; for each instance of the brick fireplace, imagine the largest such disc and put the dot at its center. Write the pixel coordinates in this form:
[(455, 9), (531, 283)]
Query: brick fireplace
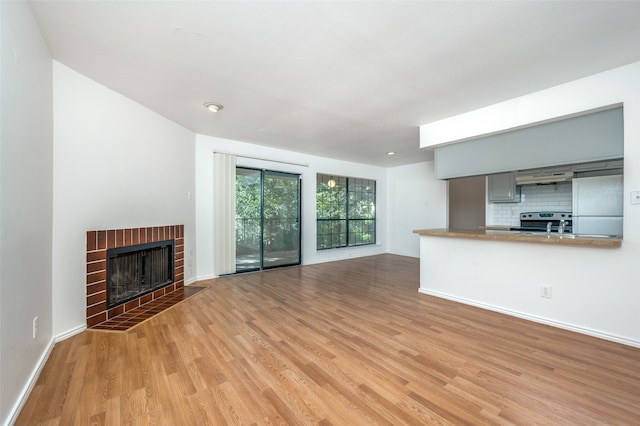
[(98, 242)]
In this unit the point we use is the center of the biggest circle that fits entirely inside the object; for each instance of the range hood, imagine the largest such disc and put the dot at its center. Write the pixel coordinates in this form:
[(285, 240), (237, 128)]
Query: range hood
[(529, 178)]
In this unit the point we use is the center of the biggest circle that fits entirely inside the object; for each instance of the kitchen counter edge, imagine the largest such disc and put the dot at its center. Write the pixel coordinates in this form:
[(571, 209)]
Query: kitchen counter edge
[(492, 234)]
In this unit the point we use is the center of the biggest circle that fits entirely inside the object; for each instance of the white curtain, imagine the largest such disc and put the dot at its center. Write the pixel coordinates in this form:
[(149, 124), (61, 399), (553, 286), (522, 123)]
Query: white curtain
[(224, 214)]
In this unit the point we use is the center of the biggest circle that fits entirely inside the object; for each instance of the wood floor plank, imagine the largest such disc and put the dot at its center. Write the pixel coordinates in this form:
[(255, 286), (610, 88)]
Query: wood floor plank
[(349, 342)]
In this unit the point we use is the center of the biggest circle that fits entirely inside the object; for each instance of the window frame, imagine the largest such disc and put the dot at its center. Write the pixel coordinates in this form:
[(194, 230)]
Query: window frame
[(345, 236)]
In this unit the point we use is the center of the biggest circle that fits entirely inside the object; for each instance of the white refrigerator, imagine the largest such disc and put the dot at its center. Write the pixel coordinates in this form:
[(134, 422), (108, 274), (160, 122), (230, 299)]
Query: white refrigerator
[(597, 205)]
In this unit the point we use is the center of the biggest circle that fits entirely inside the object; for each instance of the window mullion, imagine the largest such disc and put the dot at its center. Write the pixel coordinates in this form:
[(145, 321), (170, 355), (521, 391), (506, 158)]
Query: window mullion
[(346, 200)]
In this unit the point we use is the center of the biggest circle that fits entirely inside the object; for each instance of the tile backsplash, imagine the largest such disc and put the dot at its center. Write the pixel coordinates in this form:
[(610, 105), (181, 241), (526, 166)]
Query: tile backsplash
[(555, 197)]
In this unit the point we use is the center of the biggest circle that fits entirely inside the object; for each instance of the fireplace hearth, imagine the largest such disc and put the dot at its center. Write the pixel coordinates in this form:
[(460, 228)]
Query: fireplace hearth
[(103, 304)]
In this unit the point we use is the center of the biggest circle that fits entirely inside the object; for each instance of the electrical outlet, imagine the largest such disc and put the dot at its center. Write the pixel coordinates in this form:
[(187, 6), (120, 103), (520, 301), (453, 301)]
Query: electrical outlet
[(35, 327), (545, 291)]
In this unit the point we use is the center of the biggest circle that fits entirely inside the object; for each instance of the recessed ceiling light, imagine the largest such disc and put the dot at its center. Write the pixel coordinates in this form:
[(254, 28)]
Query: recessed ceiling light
[(213, 107), (391, 153)]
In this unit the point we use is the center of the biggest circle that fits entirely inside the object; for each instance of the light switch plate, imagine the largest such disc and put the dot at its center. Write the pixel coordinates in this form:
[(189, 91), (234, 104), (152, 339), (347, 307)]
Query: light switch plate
[(635, 197)]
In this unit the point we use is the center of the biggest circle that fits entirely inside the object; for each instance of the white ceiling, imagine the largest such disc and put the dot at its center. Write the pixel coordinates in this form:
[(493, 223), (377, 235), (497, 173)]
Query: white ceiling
[(348, 80)]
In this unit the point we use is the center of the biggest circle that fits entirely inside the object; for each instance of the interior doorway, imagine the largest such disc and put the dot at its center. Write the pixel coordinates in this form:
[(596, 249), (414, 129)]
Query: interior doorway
[(467, 202), (267, 219)]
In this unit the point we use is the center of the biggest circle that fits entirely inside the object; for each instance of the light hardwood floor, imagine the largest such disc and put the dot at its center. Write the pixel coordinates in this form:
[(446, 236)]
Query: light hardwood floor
[(341, 343)]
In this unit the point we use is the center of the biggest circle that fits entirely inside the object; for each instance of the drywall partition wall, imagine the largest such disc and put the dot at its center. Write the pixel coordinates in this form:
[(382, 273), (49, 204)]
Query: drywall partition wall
[(26, 199), (116, 165), (604, 302), (416, 200), (585, 295), (307, 166)]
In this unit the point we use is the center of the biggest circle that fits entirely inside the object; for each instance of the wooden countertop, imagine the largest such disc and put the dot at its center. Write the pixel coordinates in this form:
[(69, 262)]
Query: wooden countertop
[(506, 235)]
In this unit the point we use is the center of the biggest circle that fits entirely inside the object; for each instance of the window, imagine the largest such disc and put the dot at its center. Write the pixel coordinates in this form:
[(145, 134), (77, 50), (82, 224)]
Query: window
[(345, 211)]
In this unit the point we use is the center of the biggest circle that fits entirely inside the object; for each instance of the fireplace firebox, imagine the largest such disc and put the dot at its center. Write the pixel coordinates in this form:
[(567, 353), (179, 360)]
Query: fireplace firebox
[(134, 271), (101, 241)]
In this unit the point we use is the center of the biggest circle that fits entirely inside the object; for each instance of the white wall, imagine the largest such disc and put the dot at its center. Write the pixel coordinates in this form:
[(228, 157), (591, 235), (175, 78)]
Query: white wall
[(205, 146), (416, 200), (26, 189), (116, 165), (594, 290)]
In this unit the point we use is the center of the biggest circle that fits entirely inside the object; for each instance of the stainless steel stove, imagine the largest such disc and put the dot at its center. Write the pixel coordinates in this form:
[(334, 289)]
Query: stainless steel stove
[(542, 221)]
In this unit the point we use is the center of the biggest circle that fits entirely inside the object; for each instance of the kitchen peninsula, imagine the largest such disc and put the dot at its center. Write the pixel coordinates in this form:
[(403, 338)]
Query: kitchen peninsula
[(533, 276)]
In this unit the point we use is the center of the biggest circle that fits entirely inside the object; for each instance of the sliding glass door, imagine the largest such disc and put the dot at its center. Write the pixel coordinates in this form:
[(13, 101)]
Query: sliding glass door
[(248, 219), (267, 219), (281, 219)]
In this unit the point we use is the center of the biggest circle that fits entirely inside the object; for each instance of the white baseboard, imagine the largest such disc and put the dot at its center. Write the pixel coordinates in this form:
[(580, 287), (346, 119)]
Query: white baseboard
[(69, 333), (343, 253), (28, 387), (33, 378), (205, 277), (415, 255), (541, 320)]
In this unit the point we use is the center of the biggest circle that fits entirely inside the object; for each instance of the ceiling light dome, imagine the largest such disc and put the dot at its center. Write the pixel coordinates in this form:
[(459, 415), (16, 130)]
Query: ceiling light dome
[(213, 107)]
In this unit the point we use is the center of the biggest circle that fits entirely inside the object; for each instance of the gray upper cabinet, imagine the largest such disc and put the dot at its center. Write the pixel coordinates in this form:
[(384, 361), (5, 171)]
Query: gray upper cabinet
[(503, 189)]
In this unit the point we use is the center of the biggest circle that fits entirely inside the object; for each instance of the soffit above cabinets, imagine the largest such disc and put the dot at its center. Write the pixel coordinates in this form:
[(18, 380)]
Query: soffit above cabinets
[(596, 136)]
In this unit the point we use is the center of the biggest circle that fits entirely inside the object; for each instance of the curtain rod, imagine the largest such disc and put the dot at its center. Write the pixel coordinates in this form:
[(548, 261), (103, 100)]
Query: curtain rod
[(262, 159)]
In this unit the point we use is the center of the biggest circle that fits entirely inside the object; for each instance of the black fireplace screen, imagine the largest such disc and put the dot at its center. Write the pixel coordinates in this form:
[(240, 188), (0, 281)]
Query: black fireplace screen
[(136, 270)]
